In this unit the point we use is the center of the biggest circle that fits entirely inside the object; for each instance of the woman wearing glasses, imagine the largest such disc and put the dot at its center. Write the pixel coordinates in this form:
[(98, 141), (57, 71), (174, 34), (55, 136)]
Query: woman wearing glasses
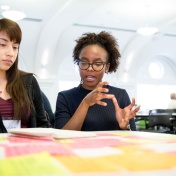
[(95, 105)]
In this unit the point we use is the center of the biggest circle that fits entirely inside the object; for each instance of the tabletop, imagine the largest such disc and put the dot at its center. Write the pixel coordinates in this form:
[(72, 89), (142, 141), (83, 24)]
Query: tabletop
[(108, 153), (145, 113)]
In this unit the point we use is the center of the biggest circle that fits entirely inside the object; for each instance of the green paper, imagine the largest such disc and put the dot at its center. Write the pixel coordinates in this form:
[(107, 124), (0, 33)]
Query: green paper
[(41, 164)]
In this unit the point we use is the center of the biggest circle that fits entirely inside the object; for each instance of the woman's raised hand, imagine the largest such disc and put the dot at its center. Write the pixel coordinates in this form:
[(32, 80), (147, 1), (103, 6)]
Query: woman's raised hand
[(96, 96), (124, 115)]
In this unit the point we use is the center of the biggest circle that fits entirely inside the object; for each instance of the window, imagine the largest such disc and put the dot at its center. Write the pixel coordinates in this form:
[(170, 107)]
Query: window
[(151, 96), (156, 70)]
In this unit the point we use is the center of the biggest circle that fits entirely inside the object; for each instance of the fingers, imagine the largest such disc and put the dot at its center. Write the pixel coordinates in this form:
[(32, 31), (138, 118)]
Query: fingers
[(97, 95), (134, 110), (101, 103), (100, 88), (134, 107), (101, 84), (114, 100), (133, 102), (101, 96), (106, 96), (137, 108)]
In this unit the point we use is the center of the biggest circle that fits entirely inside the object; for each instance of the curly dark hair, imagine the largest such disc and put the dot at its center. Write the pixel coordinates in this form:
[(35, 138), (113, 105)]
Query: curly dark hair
[(104, 40)]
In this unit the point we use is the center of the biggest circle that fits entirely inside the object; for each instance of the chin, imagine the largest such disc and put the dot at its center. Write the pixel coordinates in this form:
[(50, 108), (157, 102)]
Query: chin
[(90, 86)]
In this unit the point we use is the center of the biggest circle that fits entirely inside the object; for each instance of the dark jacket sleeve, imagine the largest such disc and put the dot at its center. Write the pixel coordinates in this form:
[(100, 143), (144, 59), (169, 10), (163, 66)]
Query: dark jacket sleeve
[(48, 109), (62, 113), (37, 117), (2, 127)]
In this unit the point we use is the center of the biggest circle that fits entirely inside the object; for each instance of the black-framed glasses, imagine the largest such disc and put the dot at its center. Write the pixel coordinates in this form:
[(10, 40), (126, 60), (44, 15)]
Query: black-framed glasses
[(96, 66)]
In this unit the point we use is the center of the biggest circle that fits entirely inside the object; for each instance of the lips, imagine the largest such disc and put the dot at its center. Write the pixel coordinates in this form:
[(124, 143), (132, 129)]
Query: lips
[(90, 78), (9, 62)]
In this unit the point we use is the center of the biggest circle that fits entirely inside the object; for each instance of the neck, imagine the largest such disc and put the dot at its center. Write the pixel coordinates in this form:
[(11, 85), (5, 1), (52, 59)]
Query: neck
[(2, 76), (3, 84), (88, 87)]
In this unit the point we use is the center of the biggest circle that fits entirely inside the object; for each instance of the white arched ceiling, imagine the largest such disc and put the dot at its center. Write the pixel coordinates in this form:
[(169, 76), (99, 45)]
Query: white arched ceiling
[(139, 50), (56, 39), (52, 32)]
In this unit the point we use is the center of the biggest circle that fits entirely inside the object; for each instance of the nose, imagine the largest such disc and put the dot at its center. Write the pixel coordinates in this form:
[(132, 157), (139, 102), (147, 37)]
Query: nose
[(90, 68), (10, 51)]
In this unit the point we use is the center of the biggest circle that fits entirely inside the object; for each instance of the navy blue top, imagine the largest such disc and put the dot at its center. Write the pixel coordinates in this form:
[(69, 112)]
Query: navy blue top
[(98, 118)]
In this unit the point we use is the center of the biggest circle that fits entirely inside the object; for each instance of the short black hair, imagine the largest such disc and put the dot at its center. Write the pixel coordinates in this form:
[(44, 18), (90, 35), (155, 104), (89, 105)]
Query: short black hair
[(103, 39)]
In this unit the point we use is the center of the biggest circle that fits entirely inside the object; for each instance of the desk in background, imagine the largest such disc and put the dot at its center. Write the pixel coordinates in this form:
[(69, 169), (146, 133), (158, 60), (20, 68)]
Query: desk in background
[(144, 114), (109, 153), (141, 119)]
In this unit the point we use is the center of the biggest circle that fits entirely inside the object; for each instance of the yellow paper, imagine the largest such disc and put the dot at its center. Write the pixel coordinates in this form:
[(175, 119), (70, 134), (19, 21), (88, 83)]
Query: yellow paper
[(38, 164)]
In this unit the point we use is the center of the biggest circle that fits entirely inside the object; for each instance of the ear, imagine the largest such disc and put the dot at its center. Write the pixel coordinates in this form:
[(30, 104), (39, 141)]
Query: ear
[(107, 67)]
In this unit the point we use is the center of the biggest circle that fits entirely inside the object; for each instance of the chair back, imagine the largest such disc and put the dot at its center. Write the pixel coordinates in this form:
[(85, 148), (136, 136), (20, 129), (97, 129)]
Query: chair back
[(160, 117)]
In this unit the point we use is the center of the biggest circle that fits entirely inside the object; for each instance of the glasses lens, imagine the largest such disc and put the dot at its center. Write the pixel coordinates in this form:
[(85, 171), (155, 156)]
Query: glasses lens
[(98, 66), (83, 65)]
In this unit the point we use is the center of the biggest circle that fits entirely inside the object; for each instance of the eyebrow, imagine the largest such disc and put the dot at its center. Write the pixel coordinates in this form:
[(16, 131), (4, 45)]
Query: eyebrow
[(84, 58), (4, 39), (7, 40)]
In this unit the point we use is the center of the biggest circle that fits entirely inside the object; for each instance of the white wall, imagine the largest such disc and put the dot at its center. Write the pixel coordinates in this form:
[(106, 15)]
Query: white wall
[(46, 50), (137, 54)]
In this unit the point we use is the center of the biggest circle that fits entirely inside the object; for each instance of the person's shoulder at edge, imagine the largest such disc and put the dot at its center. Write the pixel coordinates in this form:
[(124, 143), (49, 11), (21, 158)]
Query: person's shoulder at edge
[(26, 74), (28, 77)]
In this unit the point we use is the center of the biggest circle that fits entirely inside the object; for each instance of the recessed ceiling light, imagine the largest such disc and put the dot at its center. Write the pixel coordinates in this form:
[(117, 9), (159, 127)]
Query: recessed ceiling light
[(5, 7), (13, 15), (147, 30)]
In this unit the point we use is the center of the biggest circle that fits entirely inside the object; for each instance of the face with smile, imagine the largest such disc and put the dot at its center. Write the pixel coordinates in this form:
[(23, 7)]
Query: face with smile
[(8, 52), (93, 54)]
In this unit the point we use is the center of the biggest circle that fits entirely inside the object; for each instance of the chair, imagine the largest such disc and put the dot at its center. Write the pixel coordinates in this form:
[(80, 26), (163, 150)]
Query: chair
[(160, 121)]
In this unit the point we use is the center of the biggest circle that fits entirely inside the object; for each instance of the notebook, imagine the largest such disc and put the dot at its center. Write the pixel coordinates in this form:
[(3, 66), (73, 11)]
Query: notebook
[(51, 132)]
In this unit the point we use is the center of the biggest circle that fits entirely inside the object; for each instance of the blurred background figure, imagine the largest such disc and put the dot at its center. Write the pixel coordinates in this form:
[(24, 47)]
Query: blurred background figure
[(172, 104)]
